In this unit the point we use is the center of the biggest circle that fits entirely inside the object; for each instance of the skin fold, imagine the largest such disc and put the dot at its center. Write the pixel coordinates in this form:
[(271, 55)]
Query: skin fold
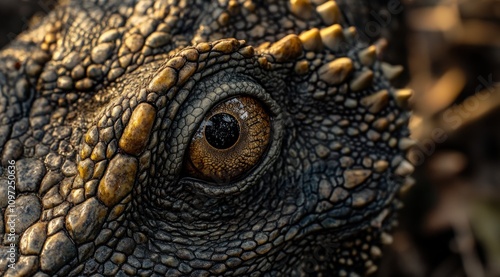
[(103, 109)]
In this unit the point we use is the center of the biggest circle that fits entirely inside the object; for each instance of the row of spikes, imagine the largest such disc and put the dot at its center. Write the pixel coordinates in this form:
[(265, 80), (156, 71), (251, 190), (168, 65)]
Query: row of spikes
[(328, 11), (337, 71)]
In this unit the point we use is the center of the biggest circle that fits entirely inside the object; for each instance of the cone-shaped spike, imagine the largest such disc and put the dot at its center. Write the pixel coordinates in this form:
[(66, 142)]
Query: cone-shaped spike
[(336, 72), (286, 49), (332, 36), (311, 40), (376, 102), (368, 55), (362, 81), (402, 97), (406, 143), (329, 12), (301, 8), (391, 71)]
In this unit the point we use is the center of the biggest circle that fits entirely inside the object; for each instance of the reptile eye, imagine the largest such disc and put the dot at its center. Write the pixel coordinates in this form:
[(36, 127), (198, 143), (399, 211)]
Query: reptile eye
[(230, 141)]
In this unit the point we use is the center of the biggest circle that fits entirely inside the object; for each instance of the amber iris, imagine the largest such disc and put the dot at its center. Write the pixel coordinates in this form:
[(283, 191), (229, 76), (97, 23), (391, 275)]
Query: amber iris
[(230, 140)]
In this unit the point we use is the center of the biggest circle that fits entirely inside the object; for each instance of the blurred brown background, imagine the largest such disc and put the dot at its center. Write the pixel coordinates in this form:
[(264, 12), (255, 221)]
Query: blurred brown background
[(450, 225), (450, 49), (17, 15)]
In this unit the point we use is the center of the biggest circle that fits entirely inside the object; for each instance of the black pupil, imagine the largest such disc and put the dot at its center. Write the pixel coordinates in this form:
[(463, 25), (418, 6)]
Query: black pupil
[(222, 131)]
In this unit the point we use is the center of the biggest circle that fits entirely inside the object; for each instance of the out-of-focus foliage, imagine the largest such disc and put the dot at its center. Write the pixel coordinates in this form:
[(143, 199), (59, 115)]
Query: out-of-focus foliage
[(451, 223)]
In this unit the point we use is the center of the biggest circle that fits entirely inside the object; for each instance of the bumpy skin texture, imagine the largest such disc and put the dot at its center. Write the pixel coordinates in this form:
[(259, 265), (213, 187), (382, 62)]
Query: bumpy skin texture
[(97, 109)]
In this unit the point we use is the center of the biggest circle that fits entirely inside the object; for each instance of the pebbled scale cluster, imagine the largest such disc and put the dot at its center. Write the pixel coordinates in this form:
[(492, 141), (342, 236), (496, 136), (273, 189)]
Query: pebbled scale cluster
[(97, 107)]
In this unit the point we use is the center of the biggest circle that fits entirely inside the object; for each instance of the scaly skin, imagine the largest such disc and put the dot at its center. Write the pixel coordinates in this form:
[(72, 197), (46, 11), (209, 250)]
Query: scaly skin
[(99, 106)]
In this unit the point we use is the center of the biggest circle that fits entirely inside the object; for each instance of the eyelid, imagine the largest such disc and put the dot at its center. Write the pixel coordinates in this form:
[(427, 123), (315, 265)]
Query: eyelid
[(184, 119)]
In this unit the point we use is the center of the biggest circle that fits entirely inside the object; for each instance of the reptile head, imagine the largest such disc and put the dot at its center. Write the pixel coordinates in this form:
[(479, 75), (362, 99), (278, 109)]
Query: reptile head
[(262, 140)]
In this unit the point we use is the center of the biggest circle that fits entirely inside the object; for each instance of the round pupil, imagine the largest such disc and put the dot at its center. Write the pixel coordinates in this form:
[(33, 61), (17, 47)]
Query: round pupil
[(222, 131)]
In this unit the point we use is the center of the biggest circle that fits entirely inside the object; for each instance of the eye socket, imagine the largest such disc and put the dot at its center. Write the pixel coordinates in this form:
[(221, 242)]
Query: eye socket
[(230, 141)]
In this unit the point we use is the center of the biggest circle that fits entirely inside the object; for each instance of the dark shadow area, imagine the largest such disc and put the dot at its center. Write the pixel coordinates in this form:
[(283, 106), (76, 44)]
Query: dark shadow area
[(17, 15)]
